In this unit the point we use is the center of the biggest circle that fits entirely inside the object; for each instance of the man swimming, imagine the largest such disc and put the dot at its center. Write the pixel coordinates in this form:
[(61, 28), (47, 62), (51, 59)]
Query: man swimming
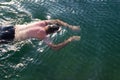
[(38, 30)]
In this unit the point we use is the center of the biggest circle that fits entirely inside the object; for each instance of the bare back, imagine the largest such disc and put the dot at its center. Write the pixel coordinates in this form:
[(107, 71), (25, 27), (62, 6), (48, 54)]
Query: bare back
[(32, 30)]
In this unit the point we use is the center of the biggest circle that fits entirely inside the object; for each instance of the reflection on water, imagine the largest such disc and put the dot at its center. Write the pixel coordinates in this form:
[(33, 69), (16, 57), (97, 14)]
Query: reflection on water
[(95, 57)]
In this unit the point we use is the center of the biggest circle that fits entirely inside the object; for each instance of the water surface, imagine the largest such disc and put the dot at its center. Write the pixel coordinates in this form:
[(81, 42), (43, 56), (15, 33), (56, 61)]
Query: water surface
[(95, 57)]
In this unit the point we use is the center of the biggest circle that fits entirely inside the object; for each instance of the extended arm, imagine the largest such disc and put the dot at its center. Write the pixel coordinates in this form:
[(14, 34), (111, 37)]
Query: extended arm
[(63, 44), (61, 23), (60, 45)]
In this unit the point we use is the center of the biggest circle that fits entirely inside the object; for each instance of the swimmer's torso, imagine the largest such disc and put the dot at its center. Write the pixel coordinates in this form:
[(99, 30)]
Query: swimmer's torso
[(32, 30)]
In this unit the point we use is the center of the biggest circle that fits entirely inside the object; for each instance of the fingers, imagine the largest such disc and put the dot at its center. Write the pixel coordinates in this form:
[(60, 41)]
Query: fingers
[(75, 28), (76, 38)]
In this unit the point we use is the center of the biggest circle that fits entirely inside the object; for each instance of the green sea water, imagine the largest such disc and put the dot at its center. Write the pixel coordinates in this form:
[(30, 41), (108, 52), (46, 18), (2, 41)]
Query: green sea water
[(95, 57)]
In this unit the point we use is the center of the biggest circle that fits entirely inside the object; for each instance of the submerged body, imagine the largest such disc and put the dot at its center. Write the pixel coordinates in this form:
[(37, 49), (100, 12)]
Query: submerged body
[(38, 30)]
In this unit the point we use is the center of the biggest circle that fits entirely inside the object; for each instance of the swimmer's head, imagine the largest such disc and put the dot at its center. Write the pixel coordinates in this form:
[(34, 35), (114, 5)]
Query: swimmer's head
[(52, 28)]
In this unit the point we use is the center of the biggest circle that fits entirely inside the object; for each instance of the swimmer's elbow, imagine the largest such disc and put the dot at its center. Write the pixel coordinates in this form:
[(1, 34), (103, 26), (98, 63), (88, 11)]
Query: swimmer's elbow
[(55, 47)]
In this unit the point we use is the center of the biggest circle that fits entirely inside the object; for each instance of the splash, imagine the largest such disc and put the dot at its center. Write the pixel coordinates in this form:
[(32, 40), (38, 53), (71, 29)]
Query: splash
[(15, 57)]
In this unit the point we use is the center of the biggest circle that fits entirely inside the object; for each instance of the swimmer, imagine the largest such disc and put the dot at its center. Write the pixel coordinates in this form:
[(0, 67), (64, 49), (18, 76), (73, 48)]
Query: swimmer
[(38, 30)]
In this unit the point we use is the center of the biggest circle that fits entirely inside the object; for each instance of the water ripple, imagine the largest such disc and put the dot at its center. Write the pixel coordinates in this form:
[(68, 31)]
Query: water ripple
[(95, 57)]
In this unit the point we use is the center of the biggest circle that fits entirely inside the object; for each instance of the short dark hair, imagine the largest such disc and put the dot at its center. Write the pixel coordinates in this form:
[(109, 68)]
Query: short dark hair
[(52, 28)]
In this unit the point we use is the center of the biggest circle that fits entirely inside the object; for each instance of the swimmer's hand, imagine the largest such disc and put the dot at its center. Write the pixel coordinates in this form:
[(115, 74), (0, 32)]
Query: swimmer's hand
[(75, 28), (74, 38)]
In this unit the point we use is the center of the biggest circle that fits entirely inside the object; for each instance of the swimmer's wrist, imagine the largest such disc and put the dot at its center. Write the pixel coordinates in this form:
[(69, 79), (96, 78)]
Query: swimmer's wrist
[(70, 26), (69, 40)]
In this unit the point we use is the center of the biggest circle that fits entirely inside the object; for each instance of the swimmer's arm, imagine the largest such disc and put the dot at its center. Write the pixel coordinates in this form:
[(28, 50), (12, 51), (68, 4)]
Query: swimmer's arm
[(58, 46), (62, 23), (63, 44)]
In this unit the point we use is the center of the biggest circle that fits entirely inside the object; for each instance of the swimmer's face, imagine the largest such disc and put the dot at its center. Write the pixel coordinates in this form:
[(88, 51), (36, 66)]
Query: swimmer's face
[(52, 28)]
